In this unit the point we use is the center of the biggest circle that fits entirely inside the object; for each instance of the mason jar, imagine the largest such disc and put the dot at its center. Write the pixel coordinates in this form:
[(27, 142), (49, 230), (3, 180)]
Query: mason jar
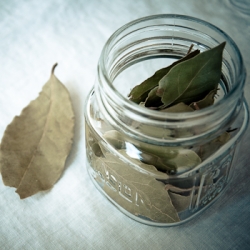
[(162, 168)]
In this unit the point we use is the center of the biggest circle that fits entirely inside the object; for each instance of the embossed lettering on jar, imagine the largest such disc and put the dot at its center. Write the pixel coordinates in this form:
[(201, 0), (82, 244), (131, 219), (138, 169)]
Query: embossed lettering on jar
[(162, 168)]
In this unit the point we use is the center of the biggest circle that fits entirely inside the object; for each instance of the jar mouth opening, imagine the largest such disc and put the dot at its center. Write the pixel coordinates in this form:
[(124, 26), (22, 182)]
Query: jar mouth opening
[(154, 114)]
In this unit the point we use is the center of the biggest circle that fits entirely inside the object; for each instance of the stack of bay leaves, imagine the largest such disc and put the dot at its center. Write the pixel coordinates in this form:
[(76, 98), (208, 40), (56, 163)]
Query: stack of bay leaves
[(188, 85), (35, 144)]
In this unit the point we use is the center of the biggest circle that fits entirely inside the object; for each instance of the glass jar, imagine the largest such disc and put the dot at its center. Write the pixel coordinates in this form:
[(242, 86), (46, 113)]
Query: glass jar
[(162, 168)]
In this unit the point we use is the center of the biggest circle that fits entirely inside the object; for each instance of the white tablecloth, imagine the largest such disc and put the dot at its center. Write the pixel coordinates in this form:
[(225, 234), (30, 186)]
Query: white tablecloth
[(73, 214)]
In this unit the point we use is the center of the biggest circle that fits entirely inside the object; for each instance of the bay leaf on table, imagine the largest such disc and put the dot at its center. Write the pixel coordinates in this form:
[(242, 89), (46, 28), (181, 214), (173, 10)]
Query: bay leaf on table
[(137, 193), (140, 92), (192, 80), (36, 144)]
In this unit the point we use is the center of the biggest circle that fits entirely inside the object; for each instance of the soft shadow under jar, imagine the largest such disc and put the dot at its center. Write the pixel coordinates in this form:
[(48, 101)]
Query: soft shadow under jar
[(129, 147)]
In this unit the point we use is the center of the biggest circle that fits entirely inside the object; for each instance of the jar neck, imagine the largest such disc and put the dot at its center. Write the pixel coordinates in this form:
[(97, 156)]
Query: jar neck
[(140, 39)]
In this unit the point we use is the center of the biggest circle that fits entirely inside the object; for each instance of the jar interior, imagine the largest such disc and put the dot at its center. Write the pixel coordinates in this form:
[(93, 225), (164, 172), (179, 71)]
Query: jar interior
[(126, 76), (111, 165), (135, 52)]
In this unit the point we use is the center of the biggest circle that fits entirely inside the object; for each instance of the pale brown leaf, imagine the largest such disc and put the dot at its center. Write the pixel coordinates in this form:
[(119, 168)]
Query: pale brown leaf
[(36, 144), (140, 194), (177, 108)]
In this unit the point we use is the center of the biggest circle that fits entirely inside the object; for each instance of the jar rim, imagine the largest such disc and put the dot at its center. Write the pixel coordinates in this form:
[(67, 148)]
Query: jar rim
[(111, 90)]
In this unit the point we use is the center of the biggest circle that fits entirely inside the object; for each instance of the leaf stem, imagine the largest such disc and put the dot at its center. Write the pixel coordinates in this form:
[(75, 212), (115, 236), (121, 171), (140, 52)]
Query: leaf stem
[(53, 68), (190, 48), (196, 106)]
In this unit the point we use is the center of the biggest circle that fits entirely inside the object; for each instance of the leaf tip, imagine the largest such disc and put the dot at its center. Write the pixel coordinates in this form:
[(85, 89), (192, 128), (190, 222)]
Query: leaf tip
[(21, 196), (53, 68), (222, 45)]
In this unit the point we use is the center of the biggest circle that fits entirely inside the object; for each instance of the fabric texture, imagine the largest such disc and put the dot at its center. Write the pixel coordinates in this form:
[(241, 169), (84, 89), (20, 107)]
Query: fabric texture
[(73, 214)]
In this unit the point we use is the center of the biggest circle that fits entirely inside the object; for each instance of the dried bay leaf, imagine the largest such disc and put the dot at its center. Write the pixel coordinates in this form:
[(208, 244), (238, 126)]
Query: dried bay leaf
[(140, 92), (126, 158), (192, 80), (206, 102), (153, 131), (36, 144), (116, 138), (185, 160), (139, 194), (183, 202), (183, 198), (170, 160), (148, 167), (177, 108), (153, 101), (211, 147), (149, 153), (133, 155), (180, 202)]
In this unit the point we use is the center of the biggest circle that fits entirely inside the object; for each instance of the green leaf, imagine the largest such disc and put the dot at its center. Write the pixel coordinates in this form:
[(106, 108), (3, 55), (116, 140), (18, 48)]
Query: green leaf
[(207, 101), (36, 144), (177, 108), (192, 80), (153, 101), (140, 92), (139, 194)]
